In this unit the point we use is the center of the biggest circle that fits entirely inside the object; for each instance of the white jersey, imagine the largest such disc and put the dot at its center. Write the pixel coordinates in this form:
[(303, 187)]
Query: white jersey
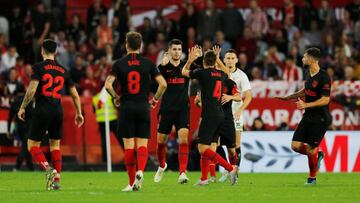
[(242, 83)]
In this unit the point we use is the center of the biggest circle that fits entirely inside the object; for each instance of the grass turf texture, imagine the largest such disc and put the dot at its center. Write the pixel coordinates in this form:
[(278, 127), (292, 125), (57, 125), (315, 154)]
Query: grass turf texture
[(103, 187)]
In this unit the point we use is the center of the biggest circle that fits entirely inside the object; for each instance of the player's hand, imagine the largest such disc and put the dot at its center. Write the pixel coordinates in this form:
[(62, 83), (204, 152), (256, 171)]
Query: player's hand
[(300, 104), (197, 100), (79, 120), (165, 60), (199, 52), (193, 54), (21, 114), (153, 102), (117, 101), (225, 99), (238, 114), (217, 50), (282, 98)]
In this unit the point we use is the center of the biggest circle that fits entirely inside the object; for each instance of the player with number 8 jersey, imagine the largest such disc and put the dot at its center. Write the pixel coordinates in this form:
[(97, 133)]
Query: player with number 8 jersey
[(134, 72)]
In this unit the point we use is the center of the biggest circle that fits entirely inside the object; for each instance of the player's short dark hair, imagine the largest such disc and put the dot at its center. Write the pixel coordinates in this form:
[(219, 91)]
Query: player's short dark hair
[(231, 51), (313, 52), (175, 41), (133, 40), (49, 46), (210, 58)]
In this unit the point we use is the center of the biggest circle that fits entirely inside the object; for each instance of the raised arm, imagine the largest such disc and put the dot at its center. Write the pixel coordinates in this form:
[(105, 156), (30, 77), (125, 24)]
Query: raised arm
[(219, 63), (194, 53)]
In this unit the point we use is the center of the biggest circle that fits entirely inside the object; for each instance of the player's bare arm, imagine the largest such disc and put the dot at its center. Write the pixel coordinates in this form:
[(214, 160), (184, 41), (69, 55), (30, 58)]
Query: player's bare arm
[(247, 100), (30, 92), (79, 119), (109, 88), (323, 101), (194, 53), (300, 93), (226, 98), (166, 59), (160, 91)]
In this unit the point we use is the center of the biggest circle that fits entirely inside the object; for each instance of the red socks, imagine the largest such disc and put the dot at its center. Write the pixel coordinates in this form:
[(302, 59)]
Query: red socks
[(56, 159), (212, 168), (183, 157), (130, 163), (313, 162), (233, 159), (142, 157), (161, 154), (204, 165), (38, 156), (213, 156)]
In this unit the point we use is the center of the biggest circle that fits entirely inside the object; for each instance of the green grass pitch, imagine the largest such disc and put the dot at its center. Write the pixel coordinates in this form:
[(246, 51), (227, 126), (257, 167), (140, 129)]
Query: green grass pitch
[(26, 187)]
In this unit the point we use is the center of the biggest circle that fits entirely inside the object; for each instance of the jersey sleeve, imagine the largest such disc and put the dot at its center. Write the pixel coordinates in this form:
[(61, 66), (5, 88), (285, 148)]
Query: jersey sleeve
[(162, 69), (35, 73), (195, 74), (154, 71), (245, 83), (325, 86)]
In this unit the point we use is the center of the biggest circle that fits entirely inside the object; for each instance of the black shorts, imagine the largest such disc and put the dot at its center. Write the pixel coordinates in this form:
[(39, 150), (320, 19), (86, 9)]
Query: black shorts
[(311, 130), (181, 119), (226, 134), (209, 128), (46, 120), (134, 120)]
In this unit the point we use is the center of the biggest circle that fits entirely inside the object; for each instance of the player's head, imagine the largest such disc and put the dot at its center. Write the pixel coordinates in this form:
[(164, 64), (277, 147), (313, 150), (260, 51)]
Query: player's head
[(311, 56), (133, 41), (175, 49), (48, 47), (209, 59), (230, 58)]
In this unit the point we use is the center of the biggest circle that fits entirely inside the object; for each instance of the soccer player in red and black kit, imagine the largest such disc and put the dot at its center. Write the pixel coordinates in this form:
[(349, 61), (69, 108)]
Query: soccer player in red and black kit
[(226, 135), (317, 117), (134, 73), (174, 110), (47, 84), (211, 81)]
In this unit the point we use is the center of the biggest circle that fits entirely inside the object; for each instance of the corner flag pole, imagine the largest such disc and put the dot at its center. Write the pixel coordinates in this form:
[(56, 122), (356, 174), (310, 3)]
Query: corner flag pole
[(104, 96)]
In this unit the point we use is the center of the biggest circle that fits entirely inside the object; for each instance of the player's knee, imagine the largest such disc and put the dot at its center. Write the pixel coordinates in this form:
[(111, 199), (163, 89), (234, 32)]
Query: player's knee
[(295, 147), (161, 138)]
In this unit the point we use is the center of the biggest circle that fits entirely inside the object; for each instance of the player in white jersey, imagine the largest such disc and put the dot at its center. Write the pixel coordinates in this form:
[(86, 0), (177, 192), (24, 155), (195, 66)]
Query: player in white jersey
[(243, 86)]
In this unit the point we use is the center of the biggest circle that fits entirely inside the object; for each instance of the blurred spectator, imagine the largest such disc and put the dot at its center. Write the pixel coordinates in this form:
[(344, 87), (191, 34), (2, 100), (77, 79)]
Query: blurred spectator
[(8, 59), (187, 20), (307, 13), (89, 85), (270, 71), (67, 56), (290, 28), (330, 71), (283, 125), (152, 52), (147, 31), (4, 27), (346, 24), (12, 83), (76, 30), (325, 12), (291, 12), (2, 43), (94, 14), (190, 39), (357, 68), (348, 73), (230, 17), (247, 44), (101, 69), (256, 74), (121, 11), (291, 72), (280, 40), (101, 35), (17, 28), (78, 71), (224, 45), (41, 27), (257, 20), (243, 63), (159, 20), (313, 35), (109, 53), (299, 41), (276, 56), (354, 8), (328, 49), (294, 52), (344, 43), (258, 125), (209, 21)]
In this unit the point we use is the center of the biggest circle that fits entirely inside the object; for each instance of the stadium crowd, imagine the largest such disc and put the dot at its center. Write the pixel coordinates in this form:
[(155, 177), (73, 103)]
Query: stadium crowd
[(270, 42)]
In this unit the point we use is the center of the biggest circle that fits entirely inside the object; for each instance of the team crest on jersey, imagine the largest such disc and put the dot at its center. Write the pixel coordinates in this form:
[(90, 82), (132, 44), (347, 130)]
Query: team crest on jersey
[(314, 83)]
